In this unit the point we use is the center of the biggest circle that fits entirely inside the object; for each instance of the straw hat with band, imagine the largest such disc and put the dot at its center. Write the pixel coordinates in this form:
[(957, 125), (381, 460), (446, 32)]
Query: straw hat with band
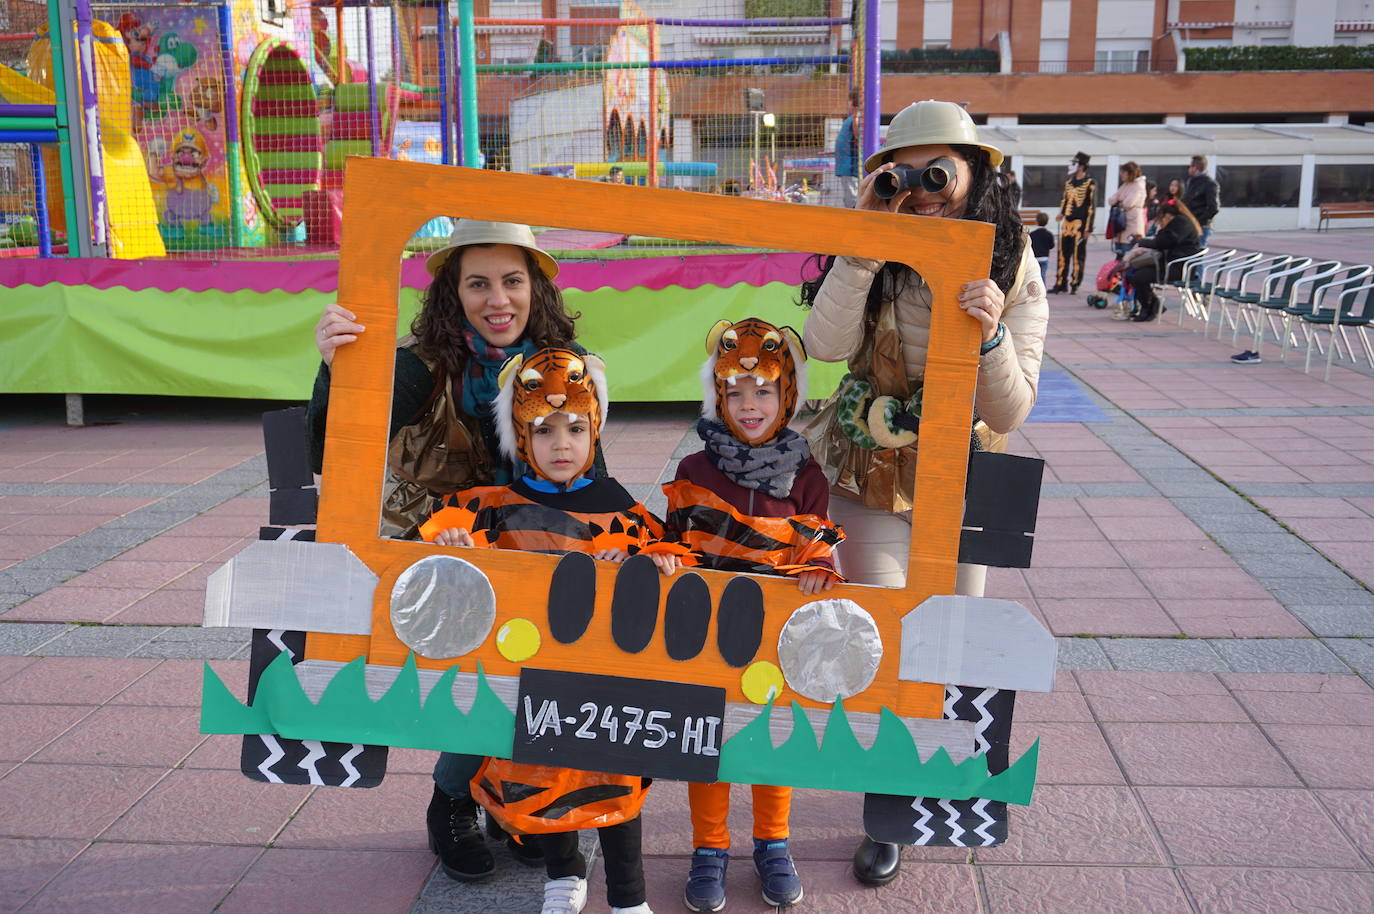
[(473, 231), (931, 123)]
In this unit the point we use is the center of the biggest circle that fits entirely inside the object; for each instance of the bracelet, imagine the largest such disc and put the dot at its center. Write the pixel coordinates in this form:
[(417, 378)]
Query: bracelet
[(995, 341)]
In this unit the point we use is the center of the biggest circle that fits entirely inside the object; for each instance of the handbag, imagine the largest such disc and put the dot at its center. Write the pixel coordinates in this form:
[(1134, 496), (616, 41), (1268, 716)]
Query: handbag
[(436, 453), (1116, 221)]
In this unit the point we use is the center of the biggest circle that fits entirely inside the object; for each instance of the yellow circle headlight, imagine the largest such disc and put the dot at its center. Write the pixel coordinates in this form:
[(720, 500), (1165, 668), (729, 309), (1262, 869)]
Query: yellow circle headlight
[(761, 681), (518, 640)]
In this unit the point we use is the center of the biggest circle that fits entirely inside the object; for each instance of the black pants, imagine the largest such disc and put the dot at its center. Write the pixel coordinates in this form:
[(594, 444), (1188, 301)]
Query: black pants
[(620, 851), (1073, 250), (1142, 279)]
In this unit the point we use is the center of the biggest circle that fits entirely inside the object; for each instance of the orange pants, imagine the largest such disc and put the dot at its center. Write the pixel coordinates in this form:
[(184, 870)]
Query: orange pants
[(711, 807)]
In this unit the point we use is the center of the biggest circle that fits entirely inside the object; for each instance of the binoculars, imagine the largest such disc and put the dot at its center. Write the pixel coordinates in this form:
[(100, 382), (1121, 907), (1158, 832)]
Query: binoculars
[(934, 178)]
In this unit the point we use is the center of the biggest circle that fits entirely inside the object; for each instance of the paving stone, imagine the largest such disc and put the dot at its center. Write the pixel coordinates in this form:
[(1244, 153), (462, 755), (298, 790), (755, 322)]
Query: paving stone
[(1337, 621), (1061, 490), (153, 519), (1278, 655), (1295, 591), (144, 490), (515, 889), (20, 579), (1164, 654), (100, 641), (1117, 490), (54, 489), (1288, 565), (18, 638), (1226, 504), (1082, 654), (1267, 544), (1251, 522), (1199, 488), (1356, 652), (189, 650)]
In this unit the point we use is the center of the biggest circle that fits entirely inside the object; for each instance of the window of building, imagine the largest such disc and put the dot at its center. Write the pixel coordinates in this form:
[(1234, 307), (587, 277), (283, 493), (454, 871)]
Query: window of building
[(1111, 60), (1344, 183), (1259, 185), (1043, 185), (1054, 55)]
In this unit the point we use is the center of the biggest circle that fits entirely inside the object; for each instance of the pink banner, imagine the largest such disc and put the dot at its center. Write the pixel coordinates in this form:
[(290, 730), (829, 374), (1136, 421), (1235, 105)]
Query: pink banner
[(688, 272)]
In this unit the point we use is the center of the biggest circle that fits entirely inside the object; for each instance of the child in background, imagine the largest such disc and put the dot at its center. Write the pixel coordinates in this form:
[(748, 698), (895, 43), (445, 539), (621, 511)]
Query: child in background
[(549, 413), (753, 501), (1042, 242)]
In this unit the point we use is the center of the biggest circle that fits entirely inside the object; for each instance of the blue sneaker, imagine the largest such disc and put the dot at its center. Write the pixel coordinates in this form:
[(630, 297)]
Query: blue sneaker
[(773, 861), (706, 882)]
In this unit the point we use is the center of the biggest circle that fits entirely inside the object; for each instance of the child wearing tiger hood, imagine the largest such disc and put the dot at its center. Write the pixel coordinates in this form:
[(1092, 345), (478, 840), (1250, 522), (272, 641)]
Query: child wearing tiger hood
[(753, 500), (548, 414)]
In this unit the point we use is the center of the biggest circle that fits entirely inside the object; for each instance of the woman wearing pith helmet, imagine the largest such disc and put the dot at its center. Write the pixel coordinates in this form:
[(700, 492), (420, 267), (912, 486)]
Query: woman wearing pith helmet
[(876, 316)]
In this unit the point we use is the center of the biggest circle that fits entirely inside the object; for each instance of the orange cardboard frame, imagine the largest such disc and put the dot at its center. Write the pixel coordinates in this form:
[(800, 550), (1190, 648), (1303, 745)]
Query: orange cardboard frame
[(386, 202)]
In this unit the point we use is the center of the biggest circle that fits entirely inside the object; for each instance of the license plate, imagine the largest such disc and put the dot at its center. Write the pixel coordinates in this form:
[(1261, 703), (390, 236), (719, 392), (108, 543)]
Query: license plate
[(619, 725)]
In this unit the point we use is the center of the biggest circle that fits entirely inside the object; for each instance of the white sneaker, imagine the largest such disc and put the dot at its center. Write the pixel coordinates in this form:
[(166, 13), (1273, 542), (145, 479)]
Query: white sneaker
[(641, 908), (564, 896)]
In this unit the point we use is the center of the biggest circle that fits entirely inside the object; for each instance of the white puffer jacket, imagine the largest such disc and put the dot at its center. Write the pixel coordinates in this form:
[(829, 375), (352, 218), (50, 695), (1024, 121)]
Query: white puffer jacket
[(1007, 376)]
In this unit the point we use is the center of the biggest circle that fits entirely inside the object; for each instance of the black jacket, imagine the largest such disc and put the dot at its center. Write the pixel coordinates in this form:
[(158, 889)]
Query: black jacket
[(1174, 241), (1202, 197)]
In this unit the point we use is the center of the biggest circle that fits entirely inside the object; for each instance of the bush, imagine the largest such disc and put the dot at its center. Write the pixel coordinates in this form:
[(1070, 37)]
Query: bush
[(941, 60), (1281, 57)]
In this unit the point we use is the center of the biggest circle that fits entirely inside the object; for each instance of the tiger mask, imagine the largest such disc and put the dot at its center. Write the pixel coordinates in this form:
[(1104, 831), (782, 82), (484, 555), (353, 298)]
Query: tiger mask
[(538, 386), (753, 349)]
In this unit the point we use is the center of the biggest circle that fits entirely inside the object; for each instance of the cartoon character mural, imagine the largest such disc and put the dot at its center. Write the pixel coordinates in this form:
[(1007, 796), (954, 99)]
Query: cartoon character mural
[(189, 197), (179, 102)]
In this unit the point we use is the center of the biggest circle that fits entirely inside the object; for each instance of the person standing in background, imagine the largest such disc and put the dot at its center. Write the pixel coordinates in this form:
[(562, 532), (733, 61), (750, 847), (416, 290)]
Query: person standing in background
[(1076, 210), (1013, 187), (847, 153), (1202, 196)]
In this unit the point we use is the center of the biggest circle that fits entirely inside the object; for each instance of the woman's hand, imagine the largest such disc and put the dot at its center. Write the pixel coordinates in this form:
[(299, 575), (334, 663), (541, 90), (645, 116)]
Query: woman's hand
[(611, 555), (813, 582), (868, 197), (454, 536), (337, 326), (983, 300)]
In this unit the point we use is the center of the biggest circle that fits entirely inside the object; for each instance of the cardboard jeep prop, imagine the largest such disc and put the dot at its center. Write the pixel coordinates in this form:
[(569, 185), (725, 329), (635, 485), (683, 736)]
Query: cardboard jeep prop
[(363, 643)]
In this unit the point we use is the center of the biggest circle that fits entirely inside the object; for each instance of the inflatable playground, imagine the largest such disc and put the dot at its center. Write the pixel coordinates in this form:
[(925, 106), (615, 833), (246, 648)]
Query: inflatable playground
[(171, 182)]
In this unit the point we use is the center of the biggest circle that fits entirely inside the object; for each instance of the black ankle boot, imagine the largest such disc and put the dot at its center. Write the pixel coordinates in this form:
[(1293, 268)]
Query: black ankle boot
[(455, 838), (526, 850), (877, 862)]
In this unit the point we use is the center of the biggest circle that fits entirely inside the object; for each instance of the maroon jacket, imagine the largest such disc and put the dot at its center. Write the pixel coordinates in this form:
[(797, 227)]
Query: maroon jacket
[(810, 492)]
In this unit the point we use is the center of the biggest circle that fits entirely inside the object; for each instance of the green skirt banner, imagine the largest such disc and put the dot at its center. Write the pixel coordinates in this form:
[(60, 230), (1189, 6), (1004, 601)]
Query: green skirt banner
[(82, 339)]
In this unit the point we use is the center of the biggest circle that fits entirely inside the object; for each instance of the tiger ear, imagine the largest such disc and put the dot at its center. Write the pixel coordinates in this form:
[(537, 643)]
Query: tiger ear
[(794, 343), (511, 367), (713, 337)]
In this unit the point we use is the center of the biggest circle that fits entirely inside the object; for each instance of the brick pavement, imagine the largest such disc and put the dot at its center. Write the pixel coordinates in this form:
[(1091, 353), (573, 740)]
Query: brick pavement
[(1203, 555)]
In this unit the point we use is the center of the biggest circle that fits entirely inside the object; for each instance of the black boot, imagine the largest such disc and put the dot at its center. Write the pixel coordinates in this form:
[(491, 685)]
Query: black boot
[(526, 850), (877, 862), (455, 838)]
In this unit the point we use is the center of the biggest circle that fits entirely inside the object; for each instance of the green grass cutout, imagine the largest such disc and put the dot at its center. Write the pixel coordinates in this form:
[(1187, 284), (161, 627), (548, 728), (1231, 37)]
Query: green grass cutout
[(347, 714), (890, 766)]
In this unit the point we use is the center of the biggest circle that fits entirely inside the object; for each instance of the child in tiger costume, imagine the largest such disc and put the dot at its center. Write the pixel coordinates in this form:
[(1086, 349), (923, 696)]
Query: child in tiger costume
[(753, 500), (549, 413)]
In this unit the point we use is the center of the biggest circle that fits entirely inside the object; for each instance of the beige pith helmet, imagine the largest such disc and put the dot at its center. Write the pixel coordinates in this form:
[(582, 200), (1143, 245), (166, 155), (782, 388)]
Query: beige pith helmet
[(473, 231), (931, 123)]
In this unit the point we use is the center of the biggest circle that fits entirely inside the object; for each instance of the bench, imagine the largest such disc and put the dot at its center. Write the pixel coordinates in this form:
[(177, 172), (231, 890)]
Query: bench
[(1028, 216), (1328, 211)]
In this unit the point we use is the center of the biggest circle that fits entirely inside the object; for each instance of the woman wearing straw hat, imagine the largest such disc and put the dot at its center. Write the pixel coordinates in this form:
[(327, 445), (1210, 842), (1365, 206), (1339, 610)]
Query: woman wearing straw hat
[(877, 316), (492, 297)]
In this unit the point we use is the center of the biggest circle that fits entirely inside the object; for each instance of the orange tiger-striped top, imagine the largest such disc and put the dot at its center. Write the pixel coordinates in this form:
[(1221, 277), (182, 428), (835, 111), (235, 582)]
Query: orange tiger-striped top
[(600, 515)]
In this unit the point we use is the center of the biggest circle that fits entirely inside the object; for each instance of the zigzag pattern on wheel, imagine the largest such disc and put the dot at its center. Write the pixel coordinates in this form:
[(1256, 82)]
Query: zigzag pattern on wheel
[(930, 822)]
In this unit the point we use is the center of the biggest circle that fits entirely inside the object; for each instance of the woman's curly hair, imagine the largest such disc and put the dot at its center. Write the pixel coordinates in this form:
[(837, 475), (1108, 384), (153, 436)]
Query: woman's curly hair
[(989, 200), (438, 328)]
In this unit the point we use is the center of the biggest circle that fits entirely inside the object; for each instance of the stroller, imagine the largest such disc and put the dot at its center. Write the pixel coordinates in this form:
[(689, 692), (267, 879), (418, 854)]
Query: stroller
[(1112, 278)]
